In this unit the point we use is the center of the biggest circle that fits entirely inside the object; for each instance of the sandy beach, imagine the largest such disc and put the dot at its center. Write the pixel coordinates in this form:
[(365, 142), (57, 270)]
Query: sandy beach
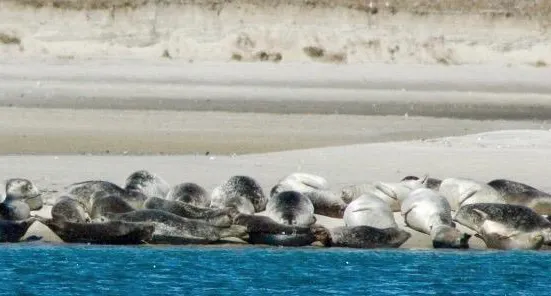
[(188, 94)]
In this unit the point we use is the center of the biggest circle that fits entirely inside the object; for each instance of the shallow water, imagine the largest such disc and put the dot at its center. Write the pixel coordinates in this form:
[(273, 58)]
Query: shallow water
[(145, 270)]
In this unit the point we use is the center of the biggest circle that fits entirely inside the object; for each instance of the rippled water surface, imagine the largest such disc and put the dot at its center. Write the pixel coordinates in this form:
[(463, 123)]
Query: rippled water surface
[(109, 270)]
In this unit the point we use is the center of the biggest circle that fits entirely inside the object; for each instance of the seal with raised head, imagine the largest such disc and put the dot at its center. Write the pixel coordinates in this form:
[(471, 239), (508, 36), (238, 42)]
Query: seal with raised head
[(168, 224), (70, 210), (431, 183), (241, 192), (190, 193), (429, 212), (516, 193), (369, 210), (148, 183), (264, 230), (463, 191), (23, 190), (367, 237), (392, 193), (291, 208), (507, 221), (85, 193), (13, 231), (111, 232), (213, 216), (325, 201)]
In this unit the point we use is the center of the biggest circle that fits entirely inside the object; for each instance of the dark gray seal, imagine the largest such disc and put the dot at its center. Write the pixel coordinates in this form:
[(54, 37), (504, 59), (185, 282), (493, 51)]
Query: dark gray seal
[(241, 192), (14, 210), (213, 216), (264, 230), (85, 193), (291, 208), (111, 232), (516, 193), (190, 193), (428, 212), (70, 210), (13, 231), (325, 202), (367, 237), (23, 190), (148, 183), (109, 204), (431, 183), (168, 224), (515, 225)]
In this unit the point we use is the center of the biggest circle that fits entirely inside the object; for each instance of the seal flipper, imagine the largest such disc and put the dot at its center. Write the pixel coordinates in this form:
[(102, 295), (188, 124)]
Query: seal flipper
[(466, 195), (387, 190)]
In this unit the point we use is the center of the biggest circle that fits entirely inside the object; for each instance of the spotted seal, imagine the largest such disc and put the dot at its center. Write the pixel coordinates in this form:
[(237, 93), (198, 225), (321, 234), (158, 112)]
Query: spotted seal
[(291, 208), (213, 216), (518, 225), (517, 193), (148, 183), (168, 224), (70, 210), (369, 210), (264, 230), (325, 202), (241, 192), (190, 193), (428, 212), (367, 237), (19, 189), (463, 191), (86, 192)]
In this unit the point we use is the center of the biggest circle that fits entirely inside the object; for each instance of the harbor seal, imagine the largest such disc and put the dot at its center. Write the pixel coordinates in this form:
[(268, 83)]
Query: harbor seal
[(508, 221), (241, 192), (516, 193), (264, 230), (463, 191), (70, 210), (109, 204), (13, 231), (190, 193), (213, 216), (14, 210), (369, 210), (429, 212), (111, 232), (24, 190), (148, 183), (430, 183), (86, 192), (367, 237), (390, 192), (496, 236), (291, 208), (181, 227), (324, 201)]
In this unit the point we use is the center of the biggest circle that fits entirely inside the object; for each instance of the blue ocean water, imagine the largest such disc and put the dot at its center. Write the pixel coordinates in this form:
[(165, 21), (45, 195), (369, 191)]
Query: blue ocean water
[(145, 270)]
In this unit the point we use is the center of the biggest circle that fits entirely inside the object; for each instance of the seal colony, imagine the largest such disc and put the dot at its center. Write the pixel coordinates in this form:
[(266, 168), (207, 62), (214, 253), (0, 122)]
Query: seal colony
[(445, 213)]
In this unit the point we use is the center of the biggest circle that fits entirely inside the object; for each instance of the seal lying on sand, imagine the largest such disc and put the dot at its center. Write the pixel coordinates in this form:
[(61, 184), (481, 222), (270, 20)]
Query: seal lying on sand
[(428, 212), (14, 210), (70, 210), (147, 183), (367, 237), (18, 189), (190, 193), (181, 227), (218, 217), (369, 210), (85, 193), (324, 201), (431, 183), (516, 193), (240, 192), (112, 232), (13, 231), (291, 208), (391, 193), (515, 225), (266, 231), (109, 204), (463, 191)]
